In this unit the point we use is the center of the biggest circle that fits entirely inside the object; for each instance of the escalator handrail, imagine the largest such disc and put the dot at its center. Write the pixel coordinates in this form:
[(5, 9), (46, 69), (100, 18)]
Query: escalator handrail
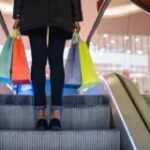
[(126, 116), (141, 5), (143, 112), (3, 24), (98, 19)]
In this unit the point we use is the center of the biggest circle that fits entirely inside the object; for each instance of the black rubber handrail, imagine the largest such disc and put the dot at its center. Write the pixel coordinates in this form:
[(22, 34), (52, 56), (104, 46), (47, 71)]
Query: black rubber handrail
[(98, 19), (142, 5), (3, 24)]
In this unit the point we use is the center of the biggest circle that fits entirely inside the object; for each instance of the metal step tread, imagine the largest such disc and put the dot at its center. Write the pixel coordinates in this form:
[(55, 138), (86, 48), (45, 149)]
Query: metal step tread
[(67, 100), (23, 117), (60, 140)]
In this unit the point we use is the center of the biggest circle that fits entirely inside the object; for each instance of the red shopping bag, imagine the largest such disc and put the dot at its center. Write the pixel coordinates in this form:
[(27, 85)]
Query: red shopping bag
[(20, 70)]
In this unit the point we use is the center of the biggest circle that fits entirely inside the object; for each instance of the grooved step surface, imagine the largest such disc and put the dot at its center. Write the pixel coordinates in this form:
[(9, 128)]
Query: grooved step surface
[(63, 140), (67, 100), (23, 117)]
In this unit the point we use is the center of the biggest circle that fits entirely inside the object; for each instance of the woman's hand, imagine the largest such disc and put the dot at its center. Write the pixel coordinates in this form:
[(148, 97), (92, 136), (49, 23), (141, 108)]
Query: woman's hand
[(16, 24), (76, 26)]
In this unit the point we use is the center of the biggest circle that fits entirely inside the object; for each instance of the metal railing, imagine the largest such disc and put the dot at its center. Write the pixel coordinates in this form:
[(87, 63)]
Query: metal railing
[(3, 24), (98, 19)]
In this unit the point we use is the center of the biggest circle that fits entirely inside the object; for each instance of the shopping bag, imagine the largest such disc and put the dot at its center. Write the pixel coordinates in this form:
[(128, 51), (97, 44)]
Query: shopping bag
[(5, 61), (88, 72), (72, 68), (20, 70)]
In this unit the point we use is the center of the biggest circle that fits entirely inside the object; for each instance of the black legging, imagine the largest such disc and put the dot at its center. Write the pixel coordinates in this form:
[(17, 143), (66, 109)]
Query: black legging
[(54, 52)]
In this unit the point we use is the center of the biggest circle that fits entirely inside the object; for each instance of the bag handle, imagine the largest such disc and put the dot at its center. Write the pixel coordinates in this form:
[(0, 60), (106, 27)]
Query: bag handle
[(76, 38), (16, 34)]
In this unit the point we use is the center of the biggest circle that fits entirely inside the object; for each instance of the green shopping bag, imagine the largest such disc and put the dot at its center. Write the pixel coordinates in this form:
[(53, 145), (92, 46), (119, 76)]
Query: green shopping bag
[(5, 61), (88, 72)]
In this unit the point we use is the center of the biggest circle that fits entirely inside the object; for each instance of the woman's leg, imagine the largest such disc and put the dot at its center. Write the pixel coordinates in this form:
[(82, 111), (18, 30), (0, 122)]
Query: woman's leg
[(37, 39), (56, 47)]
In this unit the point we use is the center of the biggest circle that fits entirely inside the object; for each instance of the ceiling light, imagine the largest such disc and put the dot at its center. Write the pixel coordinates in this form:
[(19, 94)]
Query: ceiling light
[(137, 40), (105, 35), (112, 42), (126, 37), (139, 52), (102, 49), (128, 51)]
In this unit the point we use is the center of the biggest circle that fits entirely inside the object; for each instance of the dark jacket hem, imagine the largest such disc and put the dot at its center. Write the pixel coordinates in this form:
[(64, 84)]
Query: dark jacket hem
[(25, 30)]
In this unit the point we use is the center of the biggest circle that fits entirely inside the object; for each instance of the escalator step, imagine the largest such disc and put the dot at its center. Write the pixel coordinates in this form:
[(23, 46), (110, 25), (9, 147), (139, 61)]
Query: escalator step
[(63, 140), (23, 117), (67, 101)]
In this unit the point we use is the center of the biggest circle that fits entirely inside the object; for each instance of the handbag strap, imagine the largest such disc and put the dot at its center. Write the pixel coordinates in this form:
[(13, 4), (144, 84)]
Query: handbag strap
[(76, 38), (16, 34)]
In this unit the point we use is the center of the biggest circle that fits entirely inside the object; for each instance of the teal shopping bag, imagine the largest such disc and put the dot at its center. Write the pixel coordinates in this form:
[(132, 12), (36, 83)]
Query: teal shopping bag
[(5, 62)]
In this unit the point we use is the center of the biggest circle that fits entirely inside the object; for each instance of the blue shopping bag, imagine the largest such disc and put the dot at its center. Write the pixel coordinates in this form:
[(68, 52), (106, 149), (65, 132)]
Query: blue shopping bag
[(72, 68)]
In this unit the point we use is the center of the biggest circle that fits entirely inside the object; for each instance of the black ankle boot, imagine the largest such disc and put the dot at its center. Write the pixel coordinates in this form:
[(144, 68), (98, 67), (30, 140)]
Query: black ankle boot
[(42, 124), (55, 124)]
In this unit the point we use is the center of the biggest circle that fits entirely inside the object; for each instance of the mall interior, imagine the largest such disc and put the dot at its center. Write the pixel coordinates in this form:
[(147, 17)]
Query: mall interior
[(115, 114)]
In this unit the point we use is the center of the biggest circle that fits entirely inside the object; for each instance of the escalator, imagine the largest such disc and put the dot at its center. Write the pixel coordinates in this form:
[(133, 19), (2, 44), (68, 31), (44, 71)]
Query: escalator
[(147, 99), (131, 114), (109, 121), (112, 120), (85, 121), (140, 103)]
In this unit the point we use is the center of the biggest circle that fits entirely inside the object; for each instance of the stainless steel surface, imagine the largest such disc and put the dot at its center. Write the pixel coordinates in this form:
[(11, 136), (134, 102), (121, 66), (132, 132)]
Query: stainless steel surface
[(70, 101), (98, 19), (134, 134), (86, 126), (63, 140), (138, 100), (23, 118), (147, 100)]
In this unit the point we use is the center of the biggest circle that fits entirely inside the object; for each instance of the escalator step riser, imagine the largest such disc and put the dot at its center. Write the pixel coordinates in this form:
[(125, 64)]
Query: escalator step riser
[(69, 140), (23, 117), (67, 100)]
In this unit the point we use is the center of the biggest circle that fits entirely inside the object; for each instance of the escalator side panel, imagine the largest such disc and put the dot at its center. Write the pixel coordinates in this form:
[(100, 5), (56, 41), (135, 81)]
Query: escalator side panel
[(147, 100), (138, 100), (134, 134)]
